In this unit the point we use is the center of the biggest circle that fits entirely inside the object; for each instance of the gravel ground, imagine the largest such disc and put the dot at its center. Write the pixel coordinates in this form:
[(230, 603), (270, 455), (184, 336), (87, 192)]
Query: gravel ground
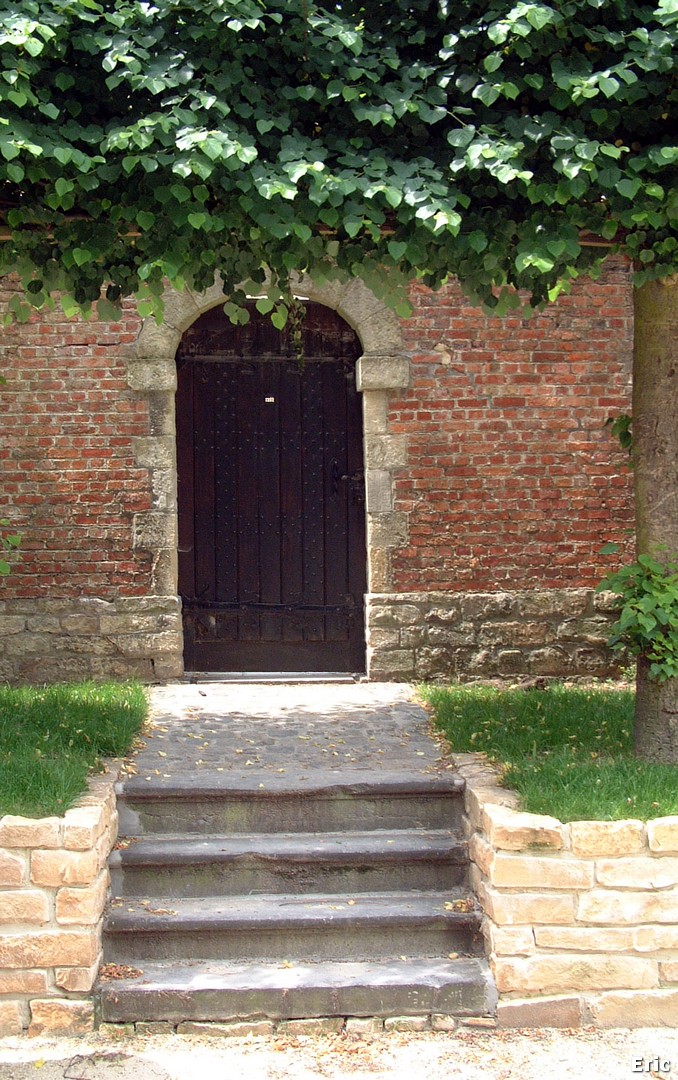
[(499, 1055)]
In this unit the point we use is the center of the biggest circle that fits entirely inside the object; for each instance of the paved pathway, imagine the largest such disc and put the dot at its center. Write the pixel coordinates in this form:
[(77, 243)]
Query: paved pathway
[(281, 734)]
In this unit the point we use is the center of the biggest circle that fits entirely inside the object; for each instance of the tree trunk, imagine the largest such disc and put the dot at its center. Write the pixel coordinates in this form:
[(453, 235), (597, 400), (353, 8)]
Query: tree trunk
[(655, 455)]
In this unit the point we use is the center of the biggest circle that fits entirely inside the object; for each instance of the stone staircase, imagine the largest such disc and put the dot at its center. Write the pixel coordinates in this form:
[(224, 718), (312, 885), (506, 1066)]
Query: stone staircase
[(317, 899)]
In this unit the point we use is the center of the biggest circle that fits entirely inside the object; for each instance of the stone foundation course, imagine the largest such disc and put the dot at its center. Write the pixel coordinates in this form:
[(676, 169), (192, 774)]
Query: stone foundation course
[(53, 888), (580, 919)]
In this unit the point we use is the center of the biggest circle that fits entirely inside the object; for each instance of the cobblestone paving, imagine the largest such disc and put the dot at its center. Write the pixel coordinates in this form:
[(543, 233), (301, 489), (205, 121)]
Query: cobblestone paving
[(238, 731)]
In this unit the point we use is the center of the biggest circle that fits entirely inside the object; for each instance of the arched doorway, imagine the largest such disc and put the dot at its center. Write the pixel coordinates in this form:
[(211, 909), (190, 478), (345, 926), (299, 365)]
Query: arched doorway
[(272, 559)]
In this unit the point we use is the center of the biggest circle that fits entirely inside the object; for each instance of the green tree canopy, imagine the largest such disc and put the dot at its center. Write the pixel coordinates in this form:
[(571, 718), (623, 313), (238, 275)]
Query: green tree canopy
[(143, 140)]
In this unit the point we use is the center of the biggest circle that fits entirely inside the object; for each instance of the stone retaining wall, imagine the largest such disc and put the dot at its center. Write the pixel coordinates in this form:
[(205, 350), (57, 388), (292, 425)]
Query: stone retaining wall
[(580, 919), (53, 888), (429, 636), (132, 637)]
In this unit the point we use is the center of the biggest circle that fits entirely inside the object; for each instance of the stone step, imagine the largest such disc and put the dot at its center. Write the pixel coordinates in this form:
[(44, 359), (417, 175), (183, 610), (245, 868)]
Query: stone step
[(194, 805), (331, 862), (366, 926), (218, 992)]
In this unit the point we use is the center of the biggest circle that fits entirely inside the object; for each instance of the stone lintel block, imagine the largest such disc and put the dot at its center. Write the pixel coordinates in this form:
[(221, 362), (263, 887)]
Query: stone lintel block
[(512, 830), (83, 825), (154, 452), (13, 1017), (57, 1016), (574, 971), (55, 868), (384, 451), (64, 948), (540, 1012), (640, 872), (24, 906), (23, 982), (635, 1008), (662, 834), (77, 979), (527, 908), (23, 832), (517, 871), (585, 939), (628, 908), (378, 491), (82, 906), (154, 530), (12, 868), (152, 374), (607, 837), (375, 372)]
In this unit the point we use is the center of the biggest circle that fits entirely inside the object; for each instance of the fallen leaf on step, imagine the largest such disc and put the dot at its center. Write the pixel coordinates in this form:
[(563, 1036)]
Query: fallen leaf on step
[(119, 971)]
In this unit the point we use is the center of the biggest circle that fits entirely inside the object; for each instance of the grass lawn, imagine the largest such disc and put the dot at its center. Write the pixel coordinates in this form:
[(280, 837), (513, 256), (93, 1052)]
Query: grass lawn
[(566, 750), (52, 737)]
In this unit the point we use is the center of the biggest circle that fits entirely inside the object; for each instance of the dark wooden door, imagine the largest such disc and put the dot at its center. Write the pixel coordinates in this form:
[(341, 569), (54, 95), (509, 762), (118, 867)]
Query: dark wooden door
[(272, 561)]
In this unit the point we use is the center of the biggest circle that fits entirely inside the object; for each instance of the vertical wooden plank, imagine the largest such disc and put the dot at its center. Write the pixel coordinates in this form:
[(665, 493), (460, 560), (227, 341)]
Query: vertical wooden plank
[(185, 487), (337, 495), (291, 499), (356, 543), (203, 423), (248, 511), (226, 491), (269, 497), (313, 500)]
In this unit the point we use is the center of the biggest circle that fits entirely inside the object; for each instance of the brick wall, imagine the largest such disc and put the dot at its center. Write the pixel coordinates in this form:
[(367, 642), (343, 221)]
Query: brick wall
[(581, 919), (512, 480), (53, 888)]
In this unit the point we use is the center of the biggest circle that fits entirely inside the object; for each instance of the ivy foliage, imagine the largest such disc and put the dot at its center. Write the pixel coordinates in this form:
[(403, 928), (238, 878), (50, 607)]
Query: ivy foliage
[(146, 140)]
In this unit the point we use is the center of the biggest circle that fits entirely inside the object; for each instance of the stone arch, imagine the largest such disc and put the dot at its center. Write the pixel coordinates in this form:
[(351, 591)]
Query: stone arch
[(382, 368)]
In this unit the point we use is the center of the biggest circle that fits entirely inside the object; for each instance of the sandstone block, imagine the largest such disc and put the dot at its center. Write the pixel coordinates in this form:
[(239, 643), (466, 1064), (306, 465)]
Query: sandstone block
[(154, 1027), (668, 971), (60, 1017), (606, 906), (320, 1025), (364, 1025), (607, 837), (533, 871), (638, 873), (82, 906), (508, 909), (12, 868), (443, 1022), (541, 1012), (55, 868), (481, 853), (23, 982), (585, 938), (77, 979), (555, 974), (511, 830), (382, 373), (559, 602), (406, 1023), (510, 940), (662, 834), (235, 1029), (12, 1017), (644, 1008), (83, 826), (74, 948), (655, 938), (24, 905), (22, 832), (516, 633)]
